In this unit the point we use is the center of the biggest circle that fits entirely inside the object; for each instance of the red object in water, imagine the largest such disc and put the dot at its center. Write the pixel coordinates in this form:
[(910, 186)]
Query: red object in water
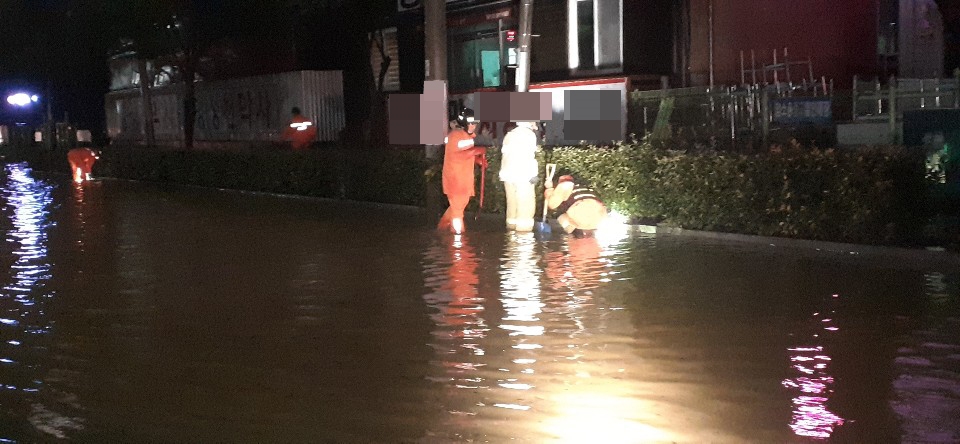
[(81, 163)]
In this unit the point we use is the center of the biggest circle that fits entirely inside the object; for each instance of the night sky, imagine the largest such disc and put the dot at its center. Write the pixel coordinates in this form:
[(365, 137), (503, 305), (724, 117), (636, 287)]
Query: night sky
[(64, 44)]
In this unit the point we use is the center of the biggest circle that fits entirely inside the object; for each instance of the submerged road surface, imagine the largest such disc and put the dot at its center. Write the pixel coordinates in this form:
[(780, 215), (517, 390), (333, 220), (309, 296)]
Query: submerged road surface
[(134, 312)]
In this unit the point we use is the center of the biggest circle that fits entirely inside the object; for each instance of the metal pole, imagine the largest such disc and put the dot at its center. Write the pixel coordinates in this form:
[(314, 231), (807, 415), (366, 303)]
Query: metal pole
[(776, 79), (936, 89), (923, 99), (893, 109), (853, 93), (786, 64), (743, 79), (765, 116), (733, 130), (523, 50), (879, 97), (50, 127), (710, 34), (753, 66), (503, 72)]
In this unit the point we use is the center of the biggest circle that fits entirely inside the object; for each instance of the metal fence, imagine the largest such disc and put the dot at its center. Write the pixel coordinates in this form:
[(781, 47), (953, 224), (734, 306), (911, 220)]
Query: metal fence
[(877, 102), (728, 118)]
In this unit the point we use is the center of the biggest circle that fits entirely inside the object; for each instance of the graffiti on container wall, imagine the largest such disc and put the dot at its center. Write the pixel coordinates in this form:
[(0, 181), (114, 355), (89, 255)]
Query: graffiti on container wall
[(238, 114), (131, 121), (166, 116), (246, 109)]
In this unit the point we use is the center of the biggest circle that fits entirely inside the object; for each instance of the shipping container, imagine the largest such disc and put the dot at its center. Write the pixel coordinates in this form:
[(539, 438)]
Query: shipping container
[(245, 109)]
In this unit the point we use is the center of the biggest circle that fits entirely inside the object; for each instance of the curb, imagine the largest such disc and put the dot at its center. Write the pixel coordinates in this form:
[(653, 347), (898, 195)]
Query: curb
[(921, 258)]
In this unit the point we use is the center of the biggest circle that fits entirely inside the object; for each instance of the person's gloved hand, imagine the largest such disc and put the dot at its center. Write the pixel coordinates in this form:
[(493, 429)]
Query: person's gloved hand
[(534, 180)]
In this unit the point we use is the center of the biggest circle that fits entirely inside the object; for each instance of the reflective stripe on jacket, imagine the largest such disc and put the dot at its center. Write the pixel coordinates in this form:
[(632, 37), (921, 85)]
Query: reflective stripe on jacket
[(578, 194)]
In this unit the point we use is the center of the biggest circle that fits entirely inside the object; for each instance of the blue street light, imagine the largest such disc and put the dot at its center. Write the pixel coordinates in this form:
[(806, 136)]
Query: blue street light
[(22, 99)]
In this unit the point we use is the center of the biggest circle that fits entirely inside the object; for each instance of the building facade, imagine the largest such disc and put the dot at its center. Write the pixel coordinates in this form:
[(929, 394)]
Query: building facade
[(680, 43), (573, 39)]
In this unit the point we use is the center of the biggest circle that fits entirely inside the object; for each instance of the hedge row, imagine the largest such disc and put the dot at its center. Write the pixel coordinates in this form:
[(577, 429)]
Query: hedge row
[(857, 195), (394, 176), (866, 196)]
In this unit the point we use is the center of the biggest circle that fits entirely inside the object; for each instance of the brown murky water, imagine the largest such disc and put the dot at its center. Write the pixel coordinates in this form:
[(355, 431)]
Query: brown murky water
[(146, 313)]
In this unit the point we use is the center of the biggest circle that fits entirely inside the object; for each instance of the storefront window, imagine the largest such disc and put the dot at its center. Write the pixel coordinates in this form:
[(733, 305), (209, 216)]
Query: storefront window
[(595, 36), (585, 33), (474, 62)]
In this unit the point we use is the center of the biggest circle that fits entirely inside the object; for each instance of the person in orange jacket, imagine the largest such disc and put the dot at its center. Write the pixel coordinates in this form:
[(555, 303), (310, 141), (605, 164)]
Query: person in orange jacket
[(301, 132), (460, 155), (81, 162), (579, 208)]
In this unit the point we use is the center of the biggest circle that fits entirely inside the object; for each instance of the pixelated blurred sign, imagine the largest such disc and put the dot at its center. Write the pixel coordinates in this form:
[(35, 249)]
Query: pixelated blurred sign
[(661, 127), (801, 111)]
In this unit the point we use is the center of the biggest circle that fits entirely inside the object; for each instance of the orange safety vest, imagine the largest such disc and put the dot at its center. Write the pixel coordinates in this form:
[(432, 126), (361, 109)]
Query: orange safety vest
[(301, 132), (82, 158)]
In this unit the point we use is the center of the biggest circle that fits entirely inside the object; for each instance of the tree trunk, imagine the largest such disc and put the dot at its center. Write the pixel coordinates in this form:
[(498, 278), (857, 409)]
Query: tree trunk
[(146, 100), (360, 72), (189, 102), (380, 136)]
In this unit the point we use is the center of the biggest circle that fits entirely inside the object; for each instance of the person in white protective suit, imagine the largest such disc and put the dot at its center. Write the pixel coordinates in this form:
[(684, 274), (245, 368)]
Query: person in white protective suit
[(519, 172)]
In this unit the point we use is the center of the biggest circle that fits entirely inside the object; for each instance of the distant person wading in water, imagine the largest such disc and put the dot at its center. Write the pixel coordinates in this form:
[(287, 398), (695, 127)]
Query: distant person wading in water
[(81, 163)]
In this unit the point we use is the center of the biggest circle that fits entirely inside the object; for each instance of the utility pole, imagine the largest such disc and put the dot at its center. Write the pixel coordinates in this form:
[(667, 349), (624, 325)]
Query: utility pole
[(435, 69), (50, 127), (435, 52), (523, 52)]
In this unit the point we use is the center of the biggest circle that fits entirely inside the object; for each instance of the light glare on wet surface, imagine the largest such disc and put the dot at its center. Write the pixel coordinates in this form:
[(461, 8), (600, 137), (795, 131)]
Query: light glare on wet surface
[(137, 312)]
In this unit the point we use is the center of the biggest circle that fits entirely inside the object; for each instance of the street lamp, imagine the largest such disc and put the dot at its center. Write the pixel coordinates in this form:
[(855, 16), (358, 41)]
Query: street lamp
[(22, 99)]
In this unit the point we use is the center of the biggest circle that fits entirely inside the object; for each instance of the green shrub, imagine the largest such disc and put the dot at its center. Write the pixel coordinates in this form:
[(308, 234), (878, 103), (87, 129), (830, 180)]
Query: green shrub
[(866, 195)]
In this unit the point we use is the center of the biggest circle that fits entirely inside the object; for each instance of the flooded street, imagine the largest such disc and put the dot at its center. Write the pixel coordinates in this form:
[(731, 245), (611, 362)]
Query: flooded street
[(134, 312)]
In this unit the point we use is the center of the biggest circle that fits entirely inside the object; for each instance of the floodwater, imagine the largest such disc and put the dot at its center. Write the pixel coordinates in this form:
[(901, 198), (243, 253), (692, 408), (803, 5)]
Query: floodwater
[(135, 312)]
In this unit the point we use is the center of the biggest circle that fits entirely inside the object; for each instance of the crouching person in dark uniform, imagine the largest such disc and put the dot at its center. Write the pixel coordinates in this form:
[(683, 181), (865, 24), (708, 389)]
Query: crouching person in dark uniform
[(579, 208)]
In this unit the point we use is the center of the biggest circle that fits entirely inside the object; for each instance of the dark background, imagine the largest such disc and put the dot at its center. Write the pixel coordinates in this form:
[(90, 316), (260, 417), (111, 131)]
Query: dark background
[(64, 45)]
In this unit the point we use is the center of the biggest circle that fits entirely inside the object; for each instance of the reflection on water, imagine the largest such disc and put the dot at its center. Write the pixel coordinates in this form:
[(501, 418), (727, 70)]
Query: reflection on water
[(460, 308), (25, 300), (927, 383), (558, 364), (520, 298), (812, 385)]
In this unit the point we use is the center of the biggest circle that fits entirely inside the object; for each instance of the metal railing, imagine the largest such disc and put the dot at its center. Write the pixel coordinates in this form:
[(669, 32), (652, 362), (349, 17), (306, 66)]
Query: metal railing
[(873, 101), (726, 118)]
